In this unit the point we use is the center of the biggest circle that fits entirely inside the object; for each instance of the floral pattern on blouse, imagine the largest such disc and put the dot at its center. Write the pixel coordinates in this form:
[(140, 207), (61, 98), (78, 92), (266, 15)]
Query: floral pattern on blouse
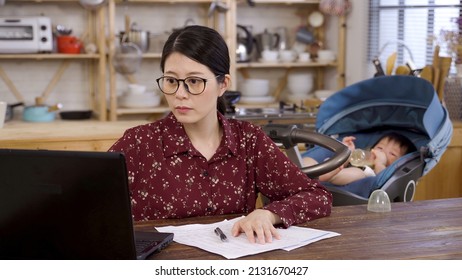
[(169, 178)]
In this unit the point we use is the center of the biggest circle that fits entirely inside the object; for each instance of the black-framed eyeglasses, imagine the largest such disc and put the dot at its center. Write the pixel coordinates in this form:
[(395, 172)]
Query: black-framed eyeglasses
[(193, 85)]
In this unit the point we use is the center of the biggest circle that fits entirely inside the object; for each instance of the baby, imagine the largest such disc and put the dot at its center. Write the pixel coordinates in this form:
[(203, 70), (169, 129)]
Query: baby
[(387, 150)]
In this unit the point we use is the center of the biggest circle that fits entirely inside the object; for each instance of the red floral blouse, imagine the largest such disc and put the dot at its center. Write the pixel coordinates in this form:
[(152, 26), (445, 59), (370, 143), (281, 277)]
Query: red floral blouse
[(169, 178)]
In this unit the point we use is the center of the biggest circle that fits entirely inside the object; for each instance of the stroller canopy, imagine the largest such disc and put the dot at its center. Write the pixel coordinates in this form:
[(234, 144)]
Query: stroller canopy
[(404, 104)]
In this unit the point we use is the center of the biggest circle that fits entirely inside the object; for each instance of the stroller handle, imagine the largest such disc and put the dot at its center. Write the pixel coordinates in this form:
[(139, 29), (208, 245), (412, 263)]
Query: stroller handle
[(289, 136)]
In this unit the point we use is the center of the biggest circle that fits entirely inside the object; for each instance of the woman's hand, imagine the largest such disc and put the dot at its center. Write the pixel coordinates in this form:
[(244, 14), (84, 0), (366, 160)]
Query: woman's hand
[(258, 224)]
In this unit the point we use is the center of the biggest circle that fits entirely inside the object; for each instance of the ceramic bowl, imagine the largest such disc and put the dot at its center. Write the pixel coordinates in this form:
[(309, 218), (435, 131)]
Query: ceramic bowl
[(254, 87), (269, 56), (287, 56), (326, 55), (136, 89), (146, 100), (300, 83)]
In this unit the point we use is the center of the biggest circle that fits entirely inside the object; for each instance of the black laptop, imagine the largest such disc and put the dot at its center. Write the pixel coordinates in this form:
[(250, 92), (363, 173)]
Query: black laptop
[(69, 205)]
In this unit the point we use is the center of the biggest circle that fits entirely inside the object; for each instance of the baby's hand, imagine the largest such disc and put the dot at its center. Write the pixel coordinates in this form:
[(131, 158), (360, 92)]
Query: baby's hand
[(379, 157), (349, 142)]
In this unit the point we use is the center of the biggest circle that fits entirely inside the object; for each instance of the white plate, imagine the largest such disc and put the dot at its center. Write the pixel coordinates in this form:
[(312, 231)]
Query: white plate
[(258, 99), (316, 19)]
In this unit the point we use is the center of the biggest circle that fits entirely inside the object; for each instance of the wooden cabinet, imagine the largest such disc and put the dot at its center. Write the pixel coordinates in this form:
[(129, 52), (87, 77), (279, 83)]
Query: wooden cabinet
[(445, 179), (95, 64), (225, 23)]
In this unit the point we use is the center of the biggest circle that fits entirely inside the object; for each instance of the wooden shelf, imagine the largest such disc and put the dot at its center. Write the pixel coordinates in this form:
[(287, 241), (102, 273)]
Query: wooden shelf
[(287, 2), (283, 64), (49, 56), (95, 64), (227, 24), (132, 111)]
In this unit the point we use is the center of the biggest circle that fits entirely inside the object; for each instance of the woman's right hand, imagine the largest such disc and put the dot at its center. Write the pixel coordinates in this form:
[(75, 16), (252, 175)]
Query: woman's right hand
[(258, 226)]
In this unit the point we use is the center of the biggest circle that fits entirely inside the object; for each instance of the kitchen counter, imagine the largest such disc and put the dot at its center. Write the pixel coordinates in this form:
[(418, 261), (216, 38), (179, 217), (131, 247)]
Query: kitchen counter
[(88, 135), (443, 181)]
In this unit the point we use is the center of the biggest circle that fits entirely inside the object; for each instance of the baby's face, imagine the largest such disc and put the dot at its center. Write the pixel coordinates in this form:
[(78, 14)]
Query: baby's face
[(391, 149)]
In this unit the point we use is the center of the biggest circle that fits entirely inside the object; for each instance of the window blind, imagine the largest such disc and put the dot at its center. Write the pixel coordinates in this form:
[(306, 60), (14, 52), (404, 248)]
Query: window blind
[(411, 28)]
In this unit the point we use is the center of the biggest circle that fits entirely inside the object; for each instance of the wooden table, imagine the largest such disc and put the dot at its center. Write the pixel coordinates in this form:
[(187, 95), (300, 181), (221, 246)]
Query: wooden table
[(430, 229)]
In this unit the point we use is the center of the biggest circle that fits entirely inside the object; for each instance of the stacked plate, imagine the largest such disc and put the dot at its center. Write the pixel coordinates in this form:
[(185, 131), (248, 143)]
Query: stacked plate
[(255, 91)]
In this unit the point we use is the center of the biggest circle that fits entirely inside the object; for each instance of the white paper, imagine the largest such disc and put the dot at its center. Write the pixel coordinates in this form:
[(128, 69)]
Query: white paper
[(204, 237)]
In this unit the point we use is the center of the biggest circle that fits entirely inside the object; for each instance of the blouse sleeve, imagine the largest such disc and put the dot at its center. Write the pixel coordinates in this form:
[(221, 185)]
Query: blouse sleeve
[(127, 145), (294, 196)]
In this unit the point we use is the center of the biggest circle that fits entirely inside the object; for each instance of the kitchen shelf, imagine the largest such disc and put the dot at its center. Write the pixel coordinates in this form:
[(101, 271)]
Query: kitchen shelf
[(113, 109), (131, 111), (240, 65), (51, 56), (95, 63)]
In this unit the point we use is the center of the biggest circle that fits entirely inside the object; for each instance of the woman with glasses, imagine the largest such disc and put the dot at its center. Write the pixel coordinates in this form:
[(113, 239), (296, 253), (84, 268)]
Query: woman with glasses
[(196, 162)]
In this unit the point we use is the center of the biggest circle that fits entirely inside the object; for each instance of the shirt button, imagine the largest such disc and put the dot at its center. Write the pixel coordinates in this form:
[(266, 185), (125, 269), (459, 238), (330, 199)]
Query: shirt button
[(205, 173), (209, 209)]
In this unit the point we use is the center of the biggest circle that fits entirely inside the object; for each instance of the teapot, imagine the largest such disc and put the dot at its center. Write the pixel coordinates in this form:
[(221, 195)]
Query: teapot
[(267, 41), (244, 44)]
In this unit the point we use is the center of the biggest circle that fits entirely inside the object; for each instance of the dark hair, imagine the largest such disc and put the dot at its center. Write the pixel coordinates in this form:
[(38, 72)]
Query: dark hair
[(204, 45), (402, 140)]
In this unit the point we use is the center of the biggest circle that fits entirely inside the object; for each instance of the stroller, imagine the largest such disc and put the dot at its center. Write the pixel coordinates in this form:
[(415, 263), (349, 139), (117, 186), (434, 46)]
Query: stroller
[(368, 110)]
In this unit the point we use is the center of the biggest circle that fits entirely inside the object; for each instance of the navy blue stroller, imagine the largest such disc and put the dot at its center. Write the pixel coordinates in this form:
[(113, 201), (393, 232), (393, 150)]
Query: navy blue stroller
[(369, 109)]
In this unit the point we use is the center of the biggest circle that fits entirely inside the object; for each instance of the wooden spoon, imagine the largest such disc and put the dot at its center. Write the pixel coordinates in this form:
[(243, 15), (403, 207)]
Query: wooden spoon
[(427, 73), (436, 66), (402, 70), (390, 63)]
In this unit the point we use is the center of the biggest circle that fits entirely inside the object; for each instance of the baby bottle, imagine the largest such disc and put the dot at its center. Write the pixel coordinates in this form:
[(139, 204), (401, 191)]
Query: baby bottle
[(361, 157)]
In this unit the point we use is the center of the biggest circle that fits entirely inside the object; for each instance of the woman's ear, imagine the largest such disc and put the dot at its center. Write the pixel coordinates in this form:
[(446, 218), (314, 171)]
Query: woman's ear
[(225, 85)]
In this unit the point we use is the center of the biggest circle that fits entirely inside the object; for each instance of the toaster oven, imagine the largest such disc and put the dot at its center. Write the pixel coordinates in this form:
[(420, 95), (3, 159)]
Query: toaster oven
[(25, 35)]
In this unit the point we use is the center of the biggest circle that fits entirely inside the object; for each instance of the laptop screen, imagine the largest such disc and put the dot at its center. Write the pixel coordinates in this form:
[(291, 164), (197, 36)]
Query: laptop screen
[(64, 205)]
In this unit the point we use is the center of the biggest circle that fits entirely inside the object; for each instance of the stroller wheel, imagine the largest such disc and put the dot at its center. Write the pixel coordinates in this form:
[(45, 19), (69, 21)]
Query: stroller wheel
[(409, 191)]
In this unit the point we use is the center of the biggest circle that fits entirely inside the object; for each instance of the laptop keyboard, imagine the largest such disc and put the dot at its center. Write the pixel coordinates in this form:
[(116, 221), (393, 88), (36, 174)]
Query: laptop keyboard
[(143, 246)]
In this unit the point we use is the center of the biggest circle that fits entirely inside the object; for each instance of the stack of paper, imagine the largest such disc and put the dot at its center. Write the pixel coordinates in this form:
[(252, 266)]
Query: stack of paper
[(204, 237)]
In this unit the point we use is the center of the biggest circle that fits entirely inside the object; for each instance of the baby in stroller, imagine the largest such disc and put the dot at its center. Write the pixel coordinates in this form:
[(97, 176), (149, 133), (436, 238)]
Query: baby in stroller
[(370, 109), (387, 150)]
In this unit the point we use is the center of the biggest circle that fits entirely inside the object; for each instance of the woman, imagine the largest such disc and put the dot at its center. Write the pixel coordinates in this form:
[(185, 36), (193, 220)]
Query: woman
[(195, 162)]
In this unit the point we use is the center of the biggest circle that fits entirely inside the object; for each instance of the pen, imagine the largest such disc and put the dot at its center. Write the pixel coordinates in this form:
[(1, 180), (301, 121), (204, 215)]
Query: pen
[(220, 233)]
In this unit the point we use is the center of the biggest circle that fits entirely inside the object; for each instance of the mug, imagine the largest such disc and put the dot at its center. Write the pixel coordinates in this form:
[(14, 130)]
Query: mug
[(286, 55), (3, 106), (304, 57), (304, 35)]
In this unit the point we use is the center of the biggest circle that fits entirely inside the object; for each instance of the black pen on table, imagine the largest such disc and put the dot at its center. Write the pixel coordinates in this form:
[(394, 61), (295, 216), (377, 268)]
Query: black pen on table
[(221, 234)]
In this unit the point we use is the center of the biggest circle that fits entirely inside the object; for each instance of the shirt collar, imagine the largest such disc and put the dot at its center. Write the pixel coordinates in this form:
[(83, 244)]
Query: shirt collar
[(175, 141)]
